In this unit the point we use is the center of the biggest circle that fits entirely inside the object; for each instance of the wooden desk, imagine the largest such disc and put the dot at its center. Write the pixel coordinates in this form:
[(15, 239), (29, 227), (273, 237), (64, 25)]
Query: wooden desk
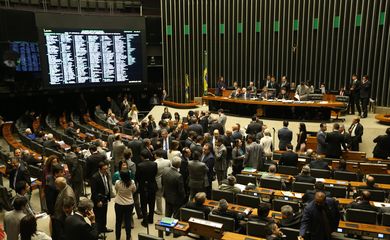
[(250, 107), (285, 177), (383, 118), (232, 207), (104, 129), (237, 236)]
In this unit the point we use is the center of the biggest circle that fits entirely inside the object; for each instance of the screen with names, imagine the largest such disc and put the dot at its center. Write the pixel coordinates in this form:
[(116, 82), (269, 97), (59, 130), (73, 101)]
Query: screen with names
[(93, 56)]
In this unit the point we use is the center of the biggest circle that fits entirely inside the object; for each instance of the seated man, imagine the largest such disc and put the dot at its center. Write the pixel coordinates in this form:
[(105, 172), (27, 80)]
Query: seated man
[(271, 175), (265, 94), (318, 187), (30, 134), (289, 158), (222, 210), (228, 185), (363, 202), (305, 176), (197, 204), (235, 93), (283, 94), (370, 184), (244, 94), (319, 163), (262, 214), (252, 89), (273, 232), (289, 218)]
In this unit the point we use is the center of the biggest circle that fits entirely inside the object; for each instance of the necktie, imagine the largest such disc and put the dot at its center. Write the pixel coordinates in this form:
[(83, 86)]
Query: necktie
[(105, 184)]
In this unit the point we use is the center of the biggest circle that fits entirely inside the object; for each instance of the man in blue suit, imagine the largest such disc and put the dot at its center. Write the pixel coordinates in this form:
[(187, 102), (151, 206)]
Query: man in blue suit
[(320, 218)]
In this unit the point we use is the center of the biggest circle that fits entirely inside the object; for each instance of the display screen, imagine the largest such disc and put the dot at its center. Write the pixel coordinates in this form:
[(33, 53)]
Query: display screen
[(28, 53), (77, 57)]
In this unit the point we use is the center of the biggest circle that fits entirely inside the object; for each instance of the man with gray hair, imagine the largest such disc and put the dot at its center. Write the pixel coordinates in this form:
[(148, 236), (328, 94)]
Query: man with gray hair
[(64, 191), (173, 187), (305, 176), (222, 210), (228, 185), (76, 228), (289, 218)]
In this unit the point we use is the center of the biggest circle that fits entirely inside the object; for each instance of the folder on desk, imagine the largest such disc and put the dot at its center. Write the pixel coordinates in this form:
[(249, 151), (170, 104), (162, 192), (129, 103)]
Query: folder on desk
[(168, 222), (287, 194), (249, 169)]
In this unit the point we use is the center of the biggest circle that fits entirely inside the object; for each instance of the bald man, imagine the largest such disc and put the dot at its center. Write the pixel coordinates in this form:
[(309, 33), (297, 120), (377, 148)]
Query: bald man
[(320, 218), (64, 191)]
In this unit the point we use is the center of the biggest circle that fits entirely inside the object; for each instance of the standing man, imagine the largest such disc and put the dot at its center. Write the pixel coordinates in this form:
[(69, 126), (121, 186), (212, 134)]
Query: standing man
[(253, 154), (365, 93), (117, 153), (285, 136), (382, 149), (162, 165), (221, 165), (147, 187), (197, 174), (334, 142), (100, 195), (355, 95), (12, 218), (173, 185), (209, 160), (356, 133), (18, 173), (321, 136), (222, 118), (320, 218)]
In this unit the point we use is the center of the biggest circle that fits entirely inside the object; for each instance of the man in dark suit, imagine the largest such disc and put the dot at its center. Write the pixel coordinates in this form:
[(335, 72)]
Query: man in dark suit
[(185, 158), (18, 173), (195, 126), (305, 176), (173, 186), (355, 95), (289, 218), (111, 137), (93, 161), (147, 187), (222, 210), (136, 146), (254, 127), (208, 159), (320, 218), (382, 149), (216, 125), (321, 136), (319, 163), (363, 202), (285, 84), (285, 136), (289, 158), (365, 93), (370, 184), (197, 174), (76, 228), (71, 131), (356, 133), (51, 143), (166, 140), (203, 121), (198, 204), (118, 147), (334, 142), (100, 195)]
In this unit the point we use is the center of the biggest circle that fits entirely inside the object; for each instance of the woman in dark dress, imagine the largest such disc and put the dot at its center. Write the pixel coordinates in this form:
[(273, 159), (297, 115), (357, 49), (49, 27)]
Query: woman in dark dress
[(302, 136)]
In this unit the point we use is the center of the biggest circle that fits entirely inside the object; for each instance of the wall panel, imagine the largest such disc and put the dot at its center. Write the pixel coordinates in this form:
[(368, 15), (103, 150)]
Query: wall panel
[(307, 40)]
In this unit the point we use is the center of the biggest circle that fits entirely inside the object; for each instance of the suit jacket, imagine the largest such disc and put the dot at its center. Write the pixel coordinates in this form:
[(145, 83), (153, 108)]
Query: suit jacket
[(173, 186), (312, 220), (335, 140), (321, 143), (254, 127), (196, 127), (146, 175), (202, 208), (363, 205), (358, 131), (319, 164), (382, 149), (66, 192), (204, 123), (365, 89), (305, 179), (197, 171), (236, 135), (51, 144), (136, 147), (286, 85), (20, 174), (162, 165), (309, 195), (75, 167), (110, 141), (117, 152), (184, 169), (12, 223), (220, 158), (356, 88), (76, 228), (289, 158), (222, 120), (209, 160), (253, 155), (92, 163), (98, 190)]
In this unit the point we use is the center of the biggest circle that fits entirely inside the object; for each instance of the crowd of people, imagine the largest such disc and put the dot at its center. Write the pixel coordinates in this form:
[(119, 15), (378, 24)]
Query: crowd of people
[(359, 92), (176, 159)]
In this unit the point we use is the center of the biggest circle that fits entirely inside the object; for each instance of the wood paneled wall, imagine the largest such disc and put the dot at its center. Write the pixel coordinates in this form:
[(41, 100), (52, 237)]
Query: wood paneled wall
[(306, 40)]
